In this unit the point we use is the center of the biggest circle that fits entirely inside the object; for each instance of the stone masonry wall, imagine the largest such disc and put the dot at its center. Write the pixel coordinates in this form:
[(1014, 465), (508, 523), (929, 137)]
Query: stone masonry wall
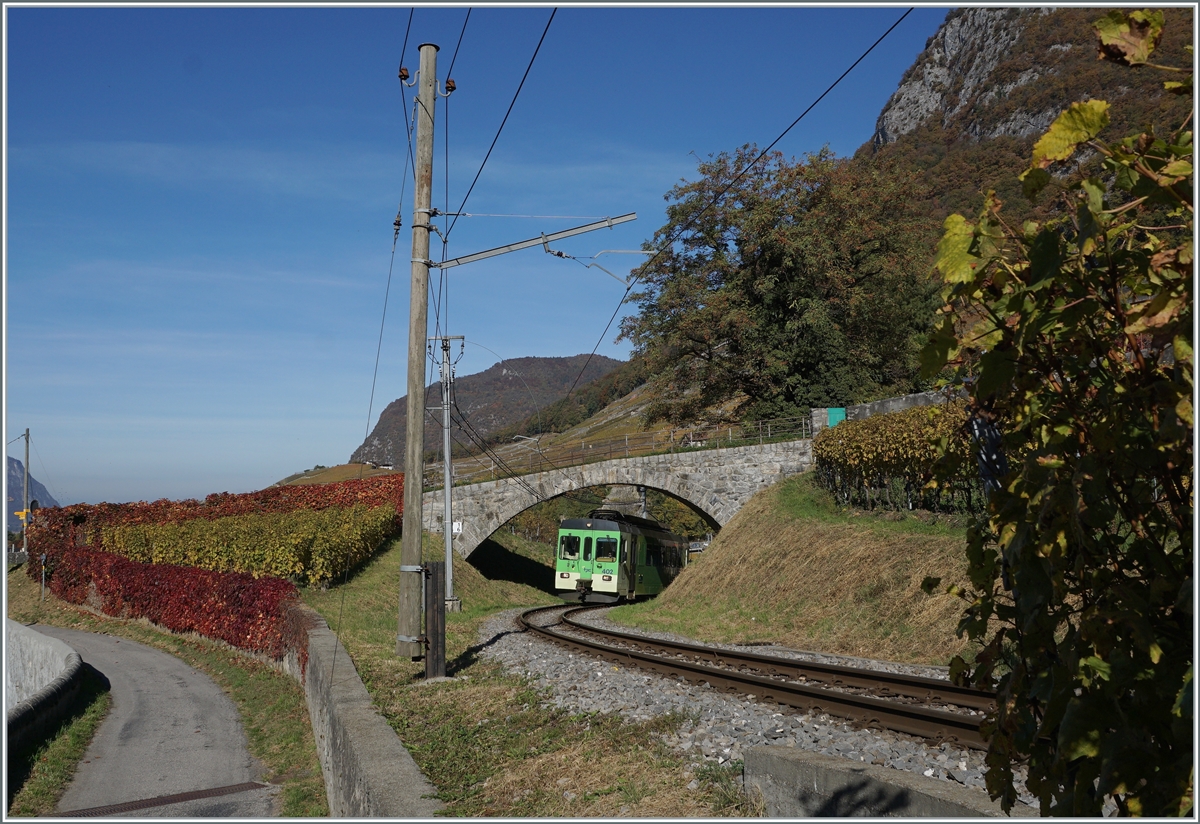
[(717, 482)]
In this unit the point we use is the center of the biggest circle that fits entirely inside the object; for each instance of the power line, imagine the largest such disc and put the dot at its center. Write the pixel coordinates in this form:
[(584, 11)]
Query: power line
[(483, 441), (514, 475), (443, 287), (450, 71), (386, 293), (679, 232), (50, 486), (532, 399), (395, 236), (505, 120), (483, 444), (474, 435), (379, 345), (403, 97), (470, 431)]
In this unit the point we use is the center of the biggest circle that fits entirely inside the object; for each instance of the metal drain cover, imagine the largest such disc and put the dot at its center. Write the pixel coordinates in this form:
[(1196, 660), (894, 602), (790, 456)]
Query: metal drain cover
[(162, 800)]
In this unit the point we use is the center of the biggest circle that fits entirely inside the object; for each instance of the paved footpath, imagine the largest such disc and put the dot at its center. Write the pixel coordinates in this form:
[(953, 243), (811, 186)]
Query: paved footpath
[(171, 731)]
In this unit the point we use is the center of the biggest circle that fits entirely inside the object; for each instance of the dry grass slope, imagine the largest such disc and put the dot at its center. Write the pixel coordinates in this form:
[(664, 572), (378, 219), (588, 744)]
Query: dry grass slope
[(342, 472), (792, 570), (483, 738)]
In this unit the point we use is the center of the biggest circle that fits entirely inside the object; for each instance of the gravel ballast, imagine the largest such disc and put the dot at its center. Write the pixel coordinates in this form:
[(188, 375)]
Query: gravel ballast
[(719, 726)]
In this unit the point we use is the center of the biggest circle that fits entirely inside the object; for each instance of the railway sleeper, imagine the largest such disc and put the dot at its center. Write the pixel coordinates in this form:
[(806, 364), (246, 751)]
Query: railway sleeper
[(929, 724)]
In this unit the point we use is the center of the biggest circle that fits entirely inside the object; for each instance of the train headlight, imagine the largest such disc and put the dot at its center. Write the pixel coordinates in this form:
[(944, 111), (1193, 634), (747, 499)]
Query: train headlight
[(564, 575), (605, 577)]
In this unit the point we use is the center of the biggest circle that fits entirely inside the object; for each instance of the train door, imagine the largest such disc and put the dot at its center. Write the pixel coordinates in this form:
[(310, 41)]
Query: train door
[(568, 564), (650, 577), (586, 564), (639, 565), (605, 567), (625, 577)]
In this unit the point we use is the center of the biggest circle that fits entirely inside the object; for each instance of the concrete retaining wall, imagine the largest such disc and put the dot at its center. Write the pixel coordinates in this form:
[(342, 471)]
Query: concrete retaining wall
[(800, 784), (368, 772), (41, 682)]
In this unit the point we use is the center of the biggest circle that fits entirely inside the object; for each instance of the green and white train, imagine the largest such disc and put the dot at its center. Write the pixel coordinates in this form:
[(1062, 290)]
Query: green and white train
[(609, 556)]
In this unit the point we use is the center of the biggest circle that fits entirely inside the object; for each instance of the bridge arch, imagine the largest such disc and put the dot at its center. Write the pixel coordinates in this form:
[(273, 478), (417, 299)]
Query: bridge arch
[(503, 517), (715, 482)]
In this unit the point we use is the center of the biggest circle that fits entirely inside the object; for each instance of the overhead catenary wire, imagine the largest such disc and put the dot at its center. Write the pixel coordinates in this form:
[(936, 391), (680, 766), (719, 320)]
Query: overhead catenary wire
[(717, 198), (466, 428), (395, 236), (474, 435), (443, 287), (532, 399), (517, 94), (514, 474), (486, 448), (404, 101), (49, 484), (450, 71), (383, 320)]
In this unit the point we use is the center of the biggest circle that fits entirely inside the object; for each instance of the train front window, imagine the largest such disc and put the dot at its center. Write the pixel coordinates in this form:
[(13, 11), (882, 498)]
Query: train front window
[(587, 549), (569, 548), (606, 549)]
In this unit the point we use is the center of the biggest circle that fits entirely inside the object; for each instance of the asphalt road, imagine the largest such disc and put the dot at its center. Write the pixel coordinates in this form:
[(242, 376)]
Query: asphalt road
[(171, 730)]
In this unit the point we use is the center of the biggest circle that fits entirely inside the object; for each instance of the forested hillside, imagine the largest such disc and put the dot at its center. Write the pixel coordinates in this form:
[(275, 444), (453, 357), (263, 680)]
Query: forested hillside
[(791, 283)]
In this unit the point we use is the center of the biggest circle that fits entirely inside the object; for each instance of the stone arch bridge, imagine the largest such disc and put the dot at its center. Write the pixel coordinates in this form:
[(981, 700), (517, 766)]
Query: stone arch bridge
[(716, 482)]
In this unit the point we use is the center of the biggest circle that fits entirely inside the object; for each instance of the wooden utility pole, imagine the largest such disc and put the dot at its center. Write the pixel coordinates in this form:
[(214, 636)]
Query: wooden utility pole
[(408, 636)]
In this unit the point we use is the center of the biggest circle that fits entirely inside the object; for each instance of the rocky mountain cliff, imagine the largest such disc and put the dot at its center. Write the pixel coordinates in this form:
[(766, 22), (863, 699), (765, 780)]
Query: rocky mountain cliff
[(953, 70), (493, 399), (991, 80), (16, 480)]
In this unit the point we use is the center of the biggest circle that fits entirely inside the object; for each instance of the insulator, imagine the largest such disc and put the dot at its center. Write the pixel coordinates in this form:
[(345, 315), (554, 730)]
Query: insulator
[(450, 85), (403, 73)]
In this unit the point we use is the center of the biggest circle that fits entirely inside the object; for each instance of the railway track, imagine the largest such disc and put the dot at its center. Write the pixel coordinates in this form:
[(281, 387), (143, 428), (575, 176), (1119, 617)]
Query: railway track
[(846, 692)]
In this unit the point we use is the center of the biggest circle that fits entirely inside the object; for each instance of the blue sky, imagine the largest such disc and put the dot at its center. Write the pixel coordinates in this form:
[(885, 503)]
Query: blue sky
[(199, 205)]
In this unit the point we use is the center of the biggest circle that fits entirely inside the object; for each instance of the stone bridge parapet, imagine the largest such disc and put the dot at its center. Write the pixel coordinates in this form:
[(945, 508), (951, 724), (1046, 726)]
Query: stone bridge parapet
[(716, 482)]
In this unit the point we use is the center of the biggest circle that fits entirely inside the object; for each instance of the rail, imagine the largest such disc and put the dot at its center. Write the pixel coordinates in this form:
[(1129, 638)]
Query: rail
[(901, 717), (528, 456)]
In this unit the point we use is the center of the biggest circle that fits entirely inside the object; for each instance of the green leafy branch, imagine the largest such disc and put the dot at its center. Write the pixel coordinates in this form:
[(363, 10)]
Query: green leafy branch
[(1075, 335)]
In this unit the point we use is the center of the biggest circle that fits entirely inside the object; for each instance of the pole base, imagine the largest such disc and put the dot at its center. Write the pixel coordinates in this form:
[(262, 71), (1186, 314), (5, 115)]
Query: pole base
[(453, 605)]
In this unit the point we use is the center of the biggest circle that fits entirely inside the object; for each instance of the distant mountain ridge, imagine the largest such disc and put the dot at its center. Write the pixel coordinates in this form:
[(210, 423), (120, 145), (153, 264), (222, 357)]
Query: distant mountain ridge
[(16, 481), (493, 399)]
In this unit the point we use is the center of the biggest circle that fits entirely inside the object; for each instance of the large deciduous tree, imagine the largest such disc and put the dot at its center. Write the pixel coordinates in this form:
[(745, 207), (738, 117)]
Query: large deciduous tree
[(792, 285), (1074, 337)]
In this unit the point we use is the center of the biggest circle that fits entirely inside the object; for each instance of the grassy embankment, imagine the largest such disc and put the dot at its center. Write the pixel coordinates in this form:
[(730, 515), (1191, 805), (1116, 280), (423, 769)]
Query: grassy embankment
[(483, 738), (793, 569), (271, 706), (40, 776)]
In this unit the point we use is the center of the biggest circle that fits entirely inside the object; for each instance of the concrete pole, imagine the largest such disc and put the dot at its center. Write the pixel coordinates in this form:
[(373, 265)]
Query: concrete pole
[(408, 636), (25, 499), (452, 603)]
